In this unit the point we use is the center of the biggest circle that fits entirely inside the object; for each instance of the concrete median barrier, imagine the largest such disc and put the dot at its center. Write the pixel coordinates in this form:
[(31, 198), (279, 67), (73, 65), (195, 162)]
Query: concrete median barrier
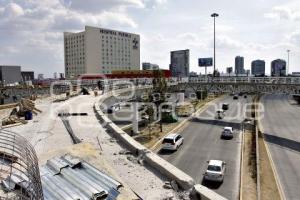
[(201, 192), (183, 180), (167, 169), (164, 167)]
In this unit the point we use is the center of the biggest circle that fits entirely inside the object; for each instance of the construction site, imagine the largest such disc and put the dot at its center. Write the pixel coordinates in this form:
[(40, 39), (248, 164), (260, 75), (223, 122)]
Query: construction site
[(57, 147)]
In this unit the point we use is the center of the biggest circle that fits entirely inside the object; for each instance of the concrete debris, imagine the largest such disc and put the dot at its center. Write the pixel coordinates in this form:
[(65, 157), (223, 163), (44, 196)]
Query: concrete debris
[(184, 195), (174, 185), (125, 152), (170, 197), (132, 159), (140, 161), (113, 140), (85, 91), (167, 185)]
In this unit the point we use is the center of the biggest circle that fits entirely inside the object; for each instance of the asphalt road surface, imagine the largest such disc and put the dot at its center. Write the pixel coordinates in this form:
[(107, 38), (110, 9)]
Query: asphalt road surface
[(281, 126), (202, 142)]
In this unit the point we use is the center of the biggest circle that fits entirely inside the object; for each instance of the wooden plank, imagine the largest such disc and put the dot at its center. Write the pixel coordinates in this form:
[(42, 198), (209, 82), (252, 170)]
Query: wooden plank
[(10, 105)]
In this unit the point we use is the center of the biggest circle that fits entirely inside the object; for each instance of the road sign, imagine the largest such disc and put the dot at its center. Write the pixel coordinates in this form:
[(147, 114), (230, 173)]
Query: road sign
[(205, 62)]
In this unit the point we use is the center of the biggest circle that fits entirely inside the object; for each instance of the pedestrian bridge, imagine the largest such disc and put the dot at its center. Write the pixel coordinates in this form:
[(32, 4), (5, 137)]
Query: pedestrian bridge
[(287, 85), (283, 85)]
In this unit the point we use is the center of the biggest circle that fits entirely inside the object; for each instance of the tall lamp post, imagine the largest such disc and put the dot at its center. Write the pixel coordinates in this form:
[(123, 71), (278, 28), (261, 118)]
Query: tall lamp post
[(214, 15), (288, 64)]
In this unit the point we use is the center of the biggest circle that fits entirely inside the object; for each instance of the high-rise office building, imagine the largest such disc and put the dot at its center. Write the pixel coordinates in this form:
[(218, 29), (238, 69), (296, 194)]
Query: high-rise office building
[(239, 65), (149, 66), (27, 75), (258, 68), (180, 63), (98, 50), (278, 67), (10, 74)]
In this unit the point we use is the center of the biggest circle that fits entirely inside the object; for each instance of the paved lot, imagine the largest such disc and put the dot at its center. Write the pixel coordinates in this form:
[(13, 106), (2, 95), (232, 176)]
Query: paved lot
[(202, 142), (281, 125)]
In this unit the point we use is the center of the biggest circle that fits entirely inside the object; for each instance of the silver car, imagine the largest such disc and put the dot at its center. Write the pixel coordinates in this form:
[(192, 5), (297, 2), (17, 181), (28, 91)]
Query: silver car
[(215, 171), (227, 132)]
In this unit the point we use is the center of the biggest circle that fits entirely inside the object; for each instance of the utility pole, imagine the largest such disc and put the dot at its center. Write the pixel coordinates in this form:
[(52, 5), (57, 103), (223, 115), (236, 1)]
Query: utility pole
[(288, 64), (214, 15)]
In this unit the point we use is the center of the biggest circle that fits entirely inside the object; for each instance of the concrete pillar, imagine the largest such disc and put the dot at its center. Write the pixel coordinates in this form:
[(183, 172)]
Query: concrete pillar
[(135, 118), (180, 97)]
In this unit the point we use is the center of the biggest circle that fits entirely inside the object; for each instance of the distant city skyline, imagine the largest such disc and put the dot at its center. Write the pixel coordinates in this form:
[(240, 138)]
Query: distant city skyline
[(32, 31)]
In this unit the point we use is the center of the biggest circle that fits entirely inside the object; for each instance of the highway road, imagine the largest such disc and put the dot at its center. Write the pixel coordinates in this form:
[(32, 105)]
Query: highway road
[(202, 142), (281, 126), (120, 117), (123, 117)]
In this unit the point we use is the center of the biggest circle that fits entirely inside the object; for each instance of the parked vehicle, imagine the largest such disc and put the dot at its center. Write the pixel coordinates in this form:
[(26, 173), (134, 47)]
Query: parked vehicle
[(225, 106), (172, 142), (215, 171), (227, 132), (113, 108)]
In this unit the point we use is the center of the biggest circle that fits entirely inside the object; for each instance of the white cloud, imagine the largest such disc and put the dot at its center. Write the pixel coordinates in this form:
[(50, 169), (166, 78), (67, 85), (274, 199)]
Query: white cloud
[(294, 38), (226, 42), (31, 30), (160, 1), (283, 13), (11, 10), (117, 19), (96, 6), (155, 3), (188, 37)]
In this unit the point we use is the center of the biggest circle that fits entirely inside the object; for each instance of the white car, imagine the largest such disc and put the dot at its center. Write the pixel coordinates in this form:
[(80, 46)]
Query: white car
[(215, 171), (227, 132), (113, 108), (172, 142)]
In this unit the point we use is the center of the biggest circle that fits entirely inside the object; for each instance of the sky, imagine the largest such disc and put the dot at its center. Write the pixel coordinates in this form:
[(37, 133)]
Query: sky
[(31, 31)]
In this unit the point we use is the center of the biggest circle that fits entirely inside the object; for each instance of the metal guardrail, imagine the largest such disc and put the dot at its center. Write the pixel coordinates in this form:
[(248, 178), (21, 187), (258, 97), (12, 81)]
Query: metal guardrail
[(264, 80), (257, 165), (175, 80)]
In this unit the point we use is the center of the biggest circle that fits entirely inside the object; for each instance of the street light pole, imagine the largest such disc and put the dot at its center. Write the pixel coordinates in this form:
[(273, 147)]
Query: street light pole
[(214, 15), (288, 65)]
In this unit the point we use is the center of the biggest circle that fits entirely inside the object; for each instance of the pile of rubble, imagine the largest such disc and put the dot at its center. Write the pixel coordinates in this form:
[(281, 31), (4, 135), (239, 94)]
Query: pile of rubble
[(19, 113)]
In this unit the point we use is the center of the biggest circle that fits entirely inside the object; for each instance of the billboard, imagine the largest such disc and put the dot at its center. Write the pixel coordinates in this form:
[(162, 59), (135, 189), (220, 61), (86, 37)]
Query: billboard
[(205, 62)]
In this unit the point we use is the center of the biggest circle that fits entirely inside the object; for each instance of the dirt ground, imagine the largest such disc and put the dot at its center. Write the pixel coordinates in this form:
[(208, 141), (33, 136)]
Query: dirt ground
[(148, 140), (269, 190), (249, 172)]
